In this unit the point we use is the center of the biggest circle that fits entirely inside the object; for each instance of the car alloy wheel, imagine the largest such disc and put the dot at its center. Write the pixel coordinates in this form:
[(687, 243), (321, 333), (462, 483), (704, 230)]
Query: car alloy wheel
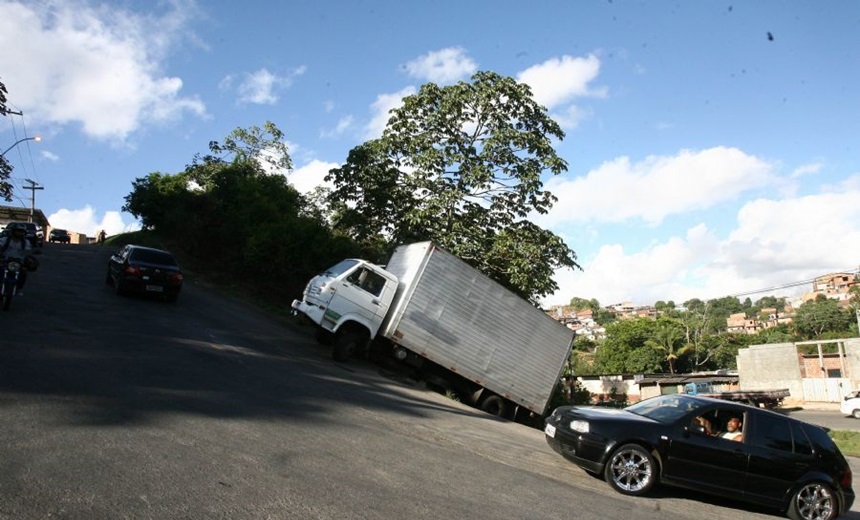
[(814, 501), (631, 470)]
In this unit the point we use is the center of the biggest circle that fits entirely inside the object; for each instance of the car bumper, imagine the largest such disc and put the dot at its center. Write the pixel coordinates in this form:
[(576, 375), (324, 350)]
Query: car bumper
[(584, 450), (149, 287)]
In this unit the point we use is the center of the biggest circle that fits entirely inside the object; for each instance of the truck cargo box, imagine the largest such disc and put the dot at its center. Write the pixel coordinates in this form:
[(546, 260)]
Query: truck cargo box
[(452, 314)]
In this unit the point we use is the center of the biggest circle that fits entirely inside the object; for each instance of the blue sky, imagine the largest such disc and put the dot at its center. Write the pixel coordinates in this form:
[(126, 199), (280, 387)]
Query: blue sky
[(713, 146)]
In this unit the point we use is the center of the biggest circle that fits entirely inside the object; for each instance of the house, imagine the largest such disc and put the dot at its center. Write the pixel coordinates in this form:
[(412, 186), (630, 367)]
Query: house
[(19, 214)]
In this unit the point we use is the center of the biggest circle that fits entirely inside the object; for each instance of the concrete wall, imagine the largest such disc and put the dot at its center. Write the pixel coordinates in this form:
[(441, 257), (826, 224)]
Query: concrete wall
[(769, 367), (852, 364)]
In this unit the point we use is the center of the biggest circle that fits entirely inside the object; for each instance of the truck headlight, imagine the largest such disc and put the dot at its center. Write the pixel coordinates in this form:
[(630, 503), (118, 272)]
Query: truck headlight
[(579, 426)]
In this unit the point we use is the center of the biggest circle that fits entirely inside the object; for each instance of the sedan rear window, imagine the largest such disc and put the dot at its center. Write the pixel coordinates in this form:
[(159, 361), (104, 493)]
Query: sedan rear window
[(153, 257)]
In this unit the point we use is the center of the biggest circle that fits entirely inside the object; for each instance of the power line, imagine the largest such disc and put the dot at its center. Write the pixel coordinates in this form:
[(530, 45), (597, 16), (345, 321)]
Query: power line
[(792, 284)]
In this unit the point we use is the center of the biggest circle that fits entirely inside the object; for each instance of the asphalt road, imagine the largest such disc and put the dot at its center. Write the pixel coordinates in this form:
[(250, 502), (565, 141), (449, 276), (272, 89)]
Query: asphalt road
[(124, 407)]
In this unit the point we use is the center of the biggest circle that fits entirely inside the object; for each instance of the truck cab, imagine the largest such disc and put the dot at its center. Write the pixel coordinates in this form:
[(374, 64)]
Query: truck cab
[(350, 300)]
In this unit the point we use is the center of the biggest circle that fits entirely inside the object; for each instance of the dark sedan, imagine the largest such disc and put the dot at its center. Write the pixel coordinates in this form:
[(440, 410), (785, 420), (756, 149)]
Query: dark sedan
[(144, 270), (709, 445), (59, 235)]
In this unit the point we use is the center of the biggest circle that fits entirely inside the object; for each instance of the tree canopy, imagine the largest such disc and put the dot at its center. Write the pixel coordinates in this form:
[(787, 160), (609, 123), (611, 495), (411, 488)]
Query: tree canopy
[(461, 165)]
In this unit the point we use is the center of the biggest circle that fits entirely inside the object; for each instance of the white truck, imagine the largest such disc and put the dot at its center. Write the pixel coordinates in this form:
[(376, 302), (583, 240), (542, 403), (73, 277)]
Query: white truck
[(457, 327)]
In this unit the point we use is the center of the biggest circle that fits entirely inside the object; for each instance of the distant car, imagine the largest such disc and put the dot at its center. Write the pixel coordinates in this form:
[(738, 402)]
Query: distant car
[(144, 270), (777, 461), (33, 232), (59, 235), (850, 405)]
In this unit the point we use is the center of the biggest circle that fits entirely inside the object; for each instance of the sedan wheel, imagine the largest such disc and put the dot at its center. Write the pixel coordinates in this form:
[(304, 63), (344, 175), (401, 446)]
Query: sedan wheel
[(856, 414), (631, 470), (814, 501)]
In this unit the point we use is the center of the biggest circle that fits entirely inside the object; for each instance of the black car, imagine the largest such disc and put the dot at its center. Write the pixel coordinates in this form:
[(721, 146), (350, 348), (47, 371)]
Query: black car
[(679, 440), (144, 270), (59, 235)]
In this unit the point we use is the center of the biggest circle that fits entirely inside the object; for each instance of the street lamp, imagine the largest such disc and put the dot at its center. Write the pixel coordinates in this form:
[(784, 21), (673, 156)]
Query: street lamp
[(19, 141)]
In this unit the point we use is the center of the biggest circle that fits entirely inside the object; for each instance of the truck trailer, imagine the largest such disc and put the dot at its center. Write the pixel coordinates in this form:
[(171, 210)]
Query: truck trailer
[(455, 326)]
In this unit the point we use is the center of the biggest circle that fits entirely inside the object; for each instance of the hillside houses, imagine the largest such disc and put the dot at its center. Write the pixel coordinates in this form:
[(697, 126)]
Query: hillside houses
[(836, 286)]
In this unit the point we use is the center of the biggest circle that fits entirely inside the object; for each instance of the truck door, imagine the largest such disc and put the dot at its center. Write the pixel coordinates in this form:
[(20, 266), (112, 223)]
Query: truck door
[(359, 294)]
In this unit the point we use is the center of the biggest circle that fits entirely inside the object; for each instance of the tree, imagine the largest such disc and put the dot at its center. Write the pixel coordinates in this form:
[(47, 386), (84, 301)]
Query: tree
[(263, 146), (5, 167), (668, 341), (626, 348), (822, 315), (461, 165), (580, 304)]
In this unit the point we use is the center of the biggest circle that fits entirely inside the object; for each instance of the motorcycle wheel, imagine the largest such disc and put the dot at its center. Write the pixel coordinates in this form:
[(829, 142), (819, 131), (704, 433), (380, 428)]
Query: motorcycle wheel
[(8, 291)]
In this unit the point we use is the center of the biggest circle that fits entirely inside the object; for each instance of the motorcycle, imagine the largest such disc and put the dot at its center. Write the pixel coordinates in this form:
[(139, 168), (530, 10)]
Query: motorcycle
[(11, 273)]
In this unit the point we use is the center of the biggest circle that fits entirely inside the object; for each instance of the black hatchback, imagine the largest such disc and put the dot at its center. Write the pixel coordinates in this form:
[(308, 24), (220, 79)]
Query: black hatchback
[(718, 447), (144, 270)]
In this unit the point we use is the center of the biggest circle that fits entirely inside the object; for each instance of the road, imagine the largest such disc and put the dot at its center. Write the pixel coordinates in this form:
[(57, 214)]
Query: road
[(124, 407)]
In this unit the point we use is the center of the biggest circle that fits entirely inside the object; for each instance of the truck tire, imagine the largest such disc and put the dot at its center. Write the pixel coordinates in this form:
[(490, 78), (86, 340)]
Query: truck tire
[(346, 344), (323, 336), (495, 405)]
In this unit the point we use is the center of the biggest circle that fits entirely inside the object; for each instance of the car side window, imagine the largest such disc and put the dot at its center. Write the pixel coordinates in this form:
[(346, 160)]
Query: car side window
[(773, 432), (802, 445)]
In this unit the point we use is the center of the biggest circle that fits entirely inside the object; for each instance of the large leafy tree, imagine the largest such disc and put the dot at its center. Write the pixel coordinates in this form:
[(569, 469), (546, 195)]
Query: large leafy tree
[(820, 317), (626, 348), (461, 165)]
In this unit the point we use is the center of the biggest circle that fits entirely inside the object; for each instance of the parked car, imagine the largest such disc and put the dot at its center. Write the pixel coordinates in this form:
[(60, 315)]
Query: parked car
[(777, 462), (59, 235), (144, 270), (34, 233), (850, 405)]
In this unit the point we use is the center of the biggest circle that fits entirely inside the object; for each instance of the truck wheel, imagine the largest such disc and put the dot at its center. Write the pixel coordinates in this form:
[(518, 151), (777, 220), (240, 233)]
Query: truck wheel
[(323, 336), (495, 405), (346, 343)]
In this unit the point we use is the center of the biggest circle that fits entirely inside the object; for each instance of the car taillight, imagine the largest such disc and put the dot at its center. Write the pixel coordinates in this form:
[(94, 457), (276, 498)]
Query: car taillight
[(132, 270), (846, 478), (176, 278)]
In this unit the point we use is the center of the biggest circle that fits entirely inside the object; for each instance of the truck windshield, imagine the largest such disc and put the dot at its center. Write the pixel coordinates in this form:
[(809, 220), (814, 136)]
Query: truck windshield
[(339, 268)]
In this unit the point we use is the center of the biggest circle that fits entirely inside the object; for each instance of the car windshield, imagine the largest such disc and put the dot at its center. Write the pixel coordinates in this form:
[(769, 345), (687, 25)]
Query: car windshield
[(339, 268), (665, 408)]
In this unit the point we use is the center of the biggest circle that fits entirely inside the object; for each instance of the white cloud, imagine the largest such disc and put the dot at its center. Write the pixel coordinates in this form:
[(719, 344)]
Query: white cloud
[(343, 124), (260, 87), (558, 80), (311, 175), (87, 222), (99, 67), (775, 242), (807, 169), (49, 156), (442, 66), (656, 187), (384, 104)]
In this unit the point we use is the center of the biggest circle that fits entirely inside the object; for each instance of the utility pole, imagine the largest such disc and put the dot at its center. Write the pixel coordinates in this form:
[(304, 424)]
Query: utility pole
[(32, 187)]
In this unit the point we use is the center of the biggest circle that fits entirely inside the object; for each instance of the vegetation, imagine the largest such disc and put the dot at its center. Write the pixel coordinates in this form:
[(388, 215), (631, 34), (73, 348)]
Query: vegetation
[(848, 442), (459, 165), (5, 167), (694, 337)]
